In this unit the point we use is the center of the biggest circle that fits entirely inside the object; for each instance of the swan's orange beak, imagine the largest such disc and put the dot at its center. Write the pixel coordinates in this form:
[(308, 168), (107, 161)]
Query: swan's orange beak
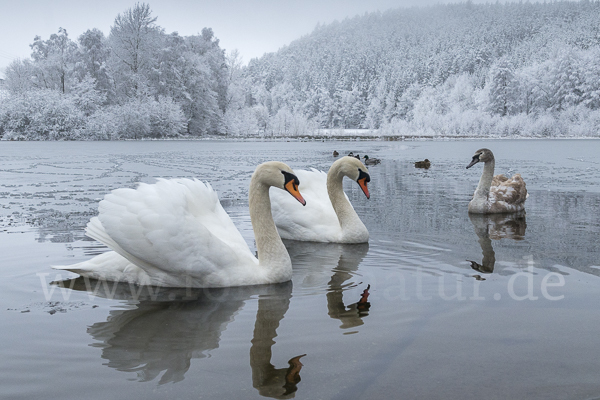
[(363, 185), (363, 178), (292, 187)]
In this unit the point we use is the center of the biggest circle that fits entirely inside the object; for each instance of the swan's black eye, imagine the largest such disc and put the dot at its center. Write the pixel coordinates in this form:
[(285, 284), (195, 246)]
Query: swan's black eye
[(363, 175), (290, 177)]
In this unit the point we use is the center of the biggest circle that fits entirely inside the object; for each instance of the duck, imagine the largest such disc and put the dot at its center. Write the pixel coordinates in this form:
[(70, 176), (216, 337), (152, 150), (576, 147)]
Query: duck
[(423, 164), (371, 161), (496, 194), (335, 153), (175, 233), (329, 216)]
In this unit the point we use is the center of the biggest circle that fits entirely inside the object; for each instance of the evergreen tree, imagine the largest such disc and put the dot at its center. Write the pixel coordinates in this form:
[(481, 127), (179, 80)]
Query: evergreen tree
[(501, 88)]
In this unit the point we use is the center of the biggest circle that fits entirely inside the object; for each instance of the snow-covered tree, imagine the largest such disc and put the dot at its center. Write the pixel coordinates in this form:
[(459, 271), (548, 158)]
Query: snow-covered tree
[(54, 60), (18, 76), (566, 80), (590, 87), (501, 88), (135, 40), (92, 59)]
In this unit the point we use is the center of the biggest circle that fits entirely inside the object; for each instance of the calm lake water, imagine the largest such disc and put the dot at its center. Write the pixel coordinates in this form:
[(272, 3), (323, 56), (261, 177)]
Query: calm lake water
[(520, 319)]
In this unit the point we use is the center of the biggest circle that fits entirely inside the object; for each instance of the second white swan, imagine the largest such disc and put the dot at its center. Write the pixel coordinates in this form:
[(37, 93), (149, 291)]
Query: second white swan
[(328, 216)]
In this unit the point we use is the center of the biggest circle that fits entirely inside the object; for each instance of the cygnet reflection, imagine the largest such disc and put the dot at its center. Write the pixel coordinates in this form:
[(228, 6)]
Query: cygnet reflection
[(490, 227)]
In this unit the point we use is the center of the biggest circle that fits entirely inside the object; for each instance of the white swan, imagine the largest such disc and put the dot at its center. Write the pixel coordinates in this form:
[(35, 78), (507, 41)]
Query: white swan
[(175, 233), (329, 216), (496, 194)]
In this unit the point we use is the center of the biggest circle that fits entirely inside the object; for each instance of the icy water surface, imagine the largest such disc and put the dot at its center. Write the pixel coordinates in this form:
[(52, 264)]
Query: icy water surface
[(406, 316)]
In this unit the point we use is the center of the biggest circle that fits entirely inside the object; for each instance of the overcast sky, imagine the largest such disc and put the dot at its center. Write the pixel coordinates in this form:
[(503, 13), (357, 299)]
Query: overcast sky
[(254, 27)]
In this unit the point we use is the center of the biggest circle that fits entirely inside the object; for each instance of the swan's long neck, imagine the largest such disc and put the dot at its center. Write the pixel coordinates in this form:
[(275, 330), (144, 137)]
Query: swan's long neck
[(271, 251), (349, 221), (485, 182)]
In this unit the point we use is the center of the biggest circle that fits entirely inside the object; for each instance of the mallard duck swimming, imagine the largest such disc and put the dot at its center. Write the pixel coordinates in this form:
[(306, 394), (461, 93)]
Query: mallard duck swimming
[(496, 194), (371, 161), (335, 153), (423, 164)]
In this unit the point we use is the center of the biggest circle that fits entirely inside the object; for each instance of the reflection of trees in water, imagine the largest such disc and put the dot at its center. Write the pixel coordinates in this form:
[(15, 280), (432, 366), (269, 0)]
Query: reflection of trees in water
[(335, 264), (167, 327), (495, 226)]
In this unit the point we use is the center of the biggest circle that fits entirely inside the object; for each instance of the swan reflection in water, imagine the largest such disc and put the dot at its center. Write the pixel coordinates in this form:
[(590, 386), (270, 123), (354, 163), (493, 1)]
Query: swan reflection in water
[(332, 265), (167, 327), (490, 227)]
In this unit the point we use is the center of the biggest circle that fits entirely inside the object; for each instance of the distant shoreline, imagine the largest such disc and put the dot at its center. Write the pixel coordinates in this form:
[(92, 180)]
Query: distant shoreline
[(341, 138)]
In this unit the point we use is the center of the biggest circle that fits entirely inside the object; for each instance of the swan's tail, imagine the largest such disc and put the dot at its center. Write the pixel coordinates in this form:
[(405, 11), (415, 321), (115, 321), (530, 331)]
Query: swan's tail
[(108, 266)]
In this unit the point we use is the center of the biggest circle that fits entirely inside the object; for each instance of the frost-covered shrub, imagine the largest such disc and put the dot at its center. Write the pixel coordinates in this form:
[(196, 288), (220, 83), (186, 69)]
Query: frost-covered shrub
[(396, 127), (41, 115), (287, 123), (242, 122), (579, 121), (14, 119), (134, 119), (128, 121), (466, 123), (593, 124), (507, 126), (103, 124), (166, 118), (137, 119), (85, 95), (545, 126)]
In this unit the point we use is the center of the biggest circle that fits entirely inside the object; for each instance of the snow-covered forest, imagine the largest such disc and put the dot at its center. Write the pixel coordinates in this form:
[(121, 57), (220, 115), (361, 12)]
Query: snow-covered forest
[(514, 69)]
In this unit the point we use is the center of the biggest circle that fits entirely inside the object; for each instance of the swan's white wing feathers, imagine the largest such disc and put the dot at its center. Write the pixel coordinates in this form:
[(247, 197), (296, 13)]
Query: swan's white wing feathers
[(175, 226), (317, 219)]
